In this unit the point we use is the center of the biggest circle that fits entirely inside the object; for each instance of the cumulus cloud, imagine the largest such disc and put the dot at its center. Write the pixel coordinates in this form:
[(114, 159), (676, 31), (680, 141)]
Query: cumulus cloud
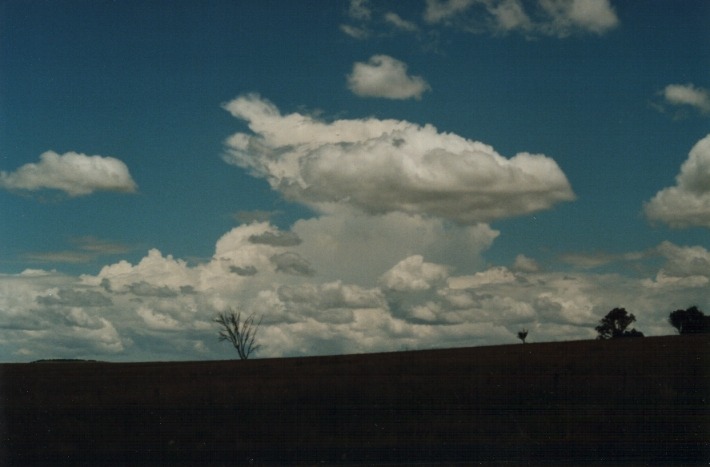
[(686, 204), (292, 263), (46, 314), (382, 166), (158, 321), (162, 307), (276, 238), (73, 173), (687, 95), (559, 18), (386, 77), (74, 298), (510, 15), (566, 16), (414, 274), (685, 261), (358, 248)]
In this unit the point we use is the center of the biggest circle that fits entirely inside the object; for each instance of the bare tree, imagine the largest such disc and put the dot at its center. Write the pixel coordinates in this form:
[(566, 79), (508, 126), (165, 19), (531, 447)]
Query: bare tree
[(522, 335), (242, 334)]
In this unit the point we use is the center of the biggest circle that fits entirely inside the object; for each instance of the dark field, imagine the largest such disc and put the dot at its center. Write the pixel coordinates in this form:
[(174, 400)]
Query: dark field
[(623, 401)]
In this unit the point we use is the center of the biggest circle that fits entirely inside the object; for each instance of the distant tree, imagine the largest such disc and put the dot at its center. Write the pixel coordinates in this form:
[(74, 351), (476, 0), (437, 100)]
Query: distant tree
[(522, 335), (690, 321), (614, 325), (242, 334)]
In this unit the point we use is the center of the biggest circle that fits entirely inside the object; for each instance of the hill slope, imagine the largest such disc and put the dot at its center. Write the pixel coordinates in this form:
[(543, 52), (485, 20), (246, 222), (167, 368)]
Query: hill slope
[(635, 400)]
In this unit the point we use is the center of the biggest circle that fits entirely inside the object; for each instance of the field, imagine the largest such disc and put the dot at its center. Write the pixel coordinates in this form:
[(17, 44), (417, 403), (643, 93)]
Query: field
[(622, 401)]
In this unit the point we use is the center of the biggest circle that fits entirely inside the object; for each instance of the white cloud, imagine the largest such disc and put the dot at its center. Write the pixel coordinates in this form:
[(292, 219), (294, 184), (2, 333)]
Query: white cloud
[(156, 320), (417, 303), (685, 261), (525, 264), (360, 12), (687, 203), (359, 9), (510, 15), (398, 22), (559, 18), (596, 16), (354, 31), (414, 273), (74, 173), (358, 248), (496, 275), (386, 77), (440, 10), (687, 95), (382, 166)]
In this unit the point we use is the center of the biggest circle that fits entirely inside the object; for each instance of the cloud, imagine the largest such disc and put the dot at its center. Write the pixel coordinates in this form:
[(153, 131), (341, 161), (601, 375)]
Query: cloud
[(156, 320), (161, 307), (354, 31), (67, 256), (292, 263), (73, 173), (687, 204), (358, 248), (598, 259), (87, 249), (398, 22), (687, 95), (414, 274), (45, 314), (510, 15), (99, 246), (525, 264), (359, 9), (360, 12), (685, 261), (74, 298), (559, 18), (383, 166), (566, 16), (386, 77), (246, 271), (438, 10), (276, 239)]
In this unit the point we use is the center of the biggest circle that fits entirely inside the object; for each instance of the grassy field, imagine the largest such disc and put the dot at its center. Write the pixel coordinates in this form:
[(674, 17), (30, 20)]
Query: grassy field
[(623, 401)]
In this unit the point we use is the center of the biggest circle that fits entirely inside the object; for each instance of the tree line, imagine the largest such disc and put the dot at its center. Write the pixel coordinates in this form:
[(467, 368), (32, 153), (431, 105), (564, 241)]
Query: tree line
[(615, 324)]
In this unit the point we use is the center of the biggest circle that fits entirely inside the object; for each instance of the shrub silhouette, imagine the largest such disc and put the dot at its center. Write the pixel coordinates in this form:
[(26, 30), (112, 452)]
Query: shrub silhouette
[(522, 335), (614, 325)]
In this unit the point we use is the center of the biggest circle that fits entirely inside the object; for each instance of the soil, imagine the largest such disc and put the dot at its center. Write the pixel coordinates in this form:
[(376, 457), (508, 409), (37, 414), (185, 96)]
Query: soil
[(623, 401)]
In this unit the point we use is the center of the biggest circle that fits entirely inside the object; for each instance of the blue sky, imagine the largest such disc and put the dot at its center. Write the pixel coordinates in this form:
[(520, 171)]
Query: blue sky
[(365, 175)]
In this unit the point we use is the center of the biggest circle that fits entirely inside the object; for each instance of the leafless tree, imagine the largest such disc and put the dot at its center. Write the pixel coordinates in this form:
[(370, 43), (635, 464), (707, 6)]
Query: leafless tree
[(522, 335), (242, 334)]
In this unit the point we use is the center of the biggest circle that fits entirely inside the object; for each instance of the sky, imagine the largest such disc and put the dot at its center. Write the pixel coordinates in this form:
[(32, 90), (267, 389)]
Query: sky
[(362, 175)]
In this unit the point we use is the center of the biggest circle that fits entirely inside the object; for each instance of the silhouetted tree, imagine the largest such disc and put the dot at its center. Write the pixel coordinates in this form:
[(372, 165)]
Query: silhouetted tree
[(242, 334), (522, 335), (614, 325), (690, 321)]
